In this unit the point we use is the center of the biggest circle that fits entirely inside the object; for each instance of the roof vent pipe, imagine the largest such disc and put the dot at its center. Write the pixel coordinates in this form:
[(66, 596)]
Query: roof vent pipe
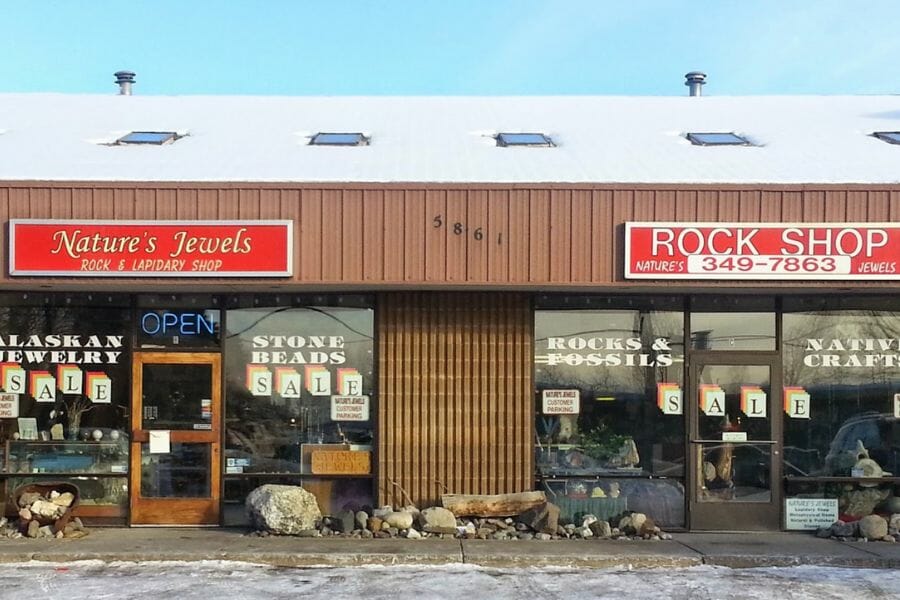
[(695, 80), (125, 79)]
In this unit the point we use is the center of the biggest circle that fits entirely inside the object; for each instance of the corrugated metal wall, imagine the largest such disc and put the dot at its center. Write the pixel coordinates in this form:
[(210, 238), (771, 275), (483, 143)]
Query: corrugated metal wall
[(456, 404), (488, 235)]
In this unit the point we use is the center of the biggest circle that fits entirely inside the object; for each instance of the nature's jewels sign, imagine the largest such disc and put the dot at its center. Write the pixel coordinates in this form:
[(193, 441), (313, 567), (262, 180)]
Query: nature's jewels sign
[(791, 251), (150, 248)]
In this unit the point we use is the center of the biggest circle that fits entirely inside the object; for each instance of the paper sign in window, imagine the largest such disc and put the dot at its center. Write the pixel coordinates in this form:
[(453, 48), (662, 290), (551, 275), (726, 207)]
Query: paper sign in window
[(712, 400), (9, 406), (753, 401), (318, 380), (43, 386), (69, 379), (159, 442), (13, 377), (349, 382), (668, 398), (259, 380), (287, 382), (99, 387), (796, 402)]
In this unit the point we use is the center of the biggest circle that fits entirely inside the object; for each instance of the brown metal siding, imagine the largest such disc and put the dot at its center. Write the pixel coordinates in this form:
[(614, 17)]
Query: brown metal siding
[(490, 236), (455, 408)]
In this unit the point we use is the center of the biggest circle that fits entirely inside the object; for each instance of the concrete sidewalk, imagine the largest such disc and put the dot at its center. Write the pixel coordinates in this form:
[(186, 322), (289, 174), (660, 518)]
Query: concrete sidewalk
[(686, 549)]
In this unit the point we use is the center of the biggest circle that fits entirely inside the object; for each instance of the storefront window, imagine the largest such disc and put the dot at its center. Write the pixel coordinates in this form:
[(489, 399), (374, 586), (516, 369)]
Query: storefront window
[(732, 323), (300, 382), (65, 373), (609, 404), (842, 380)]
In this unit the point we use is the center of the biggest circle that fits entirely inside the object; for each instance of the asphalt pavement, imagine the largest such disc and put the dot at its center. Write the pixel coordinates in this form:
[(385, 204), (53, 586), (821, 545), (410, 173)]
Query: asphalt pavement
[(737, 550)]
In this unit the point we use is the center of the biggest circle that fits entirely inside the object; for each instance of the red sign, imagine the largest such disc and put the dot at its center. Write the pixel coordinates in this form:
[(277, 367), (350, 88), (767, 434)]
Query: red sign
[(797, 251), (150, 248)]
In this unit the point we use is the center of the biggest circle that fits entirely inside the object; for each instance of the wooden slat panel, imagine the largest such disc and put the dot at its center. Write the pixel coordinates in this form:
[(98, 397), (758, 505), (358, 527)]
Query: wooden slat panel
[(332, 226), (728, 204), (39, 202), (770, 206), (166, 205), (497, 236), (834, 209), (229, 204), (351, 236), (792, 207), (455, 389), (60, 203), (858, 207), (518, 238), (83, 206), (248, 204), (476, 245), (813, 206), (456, 235), (269, 204), (879, 206), (373, 235), (436, 235), (602, 244), (394, 227), (686, 206), (559, 237), (310, 235), (188, 203), (708, 206), (538, 236), (623, 211), (644, 205), (749, 206), (580, 244), (208, 205), (665, 205), (144, 203)]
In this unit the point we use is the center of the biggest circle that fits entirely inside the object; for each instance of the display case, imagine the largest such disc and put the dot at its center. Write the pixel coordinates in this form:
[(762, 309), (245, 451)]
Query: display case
[(67, 457)]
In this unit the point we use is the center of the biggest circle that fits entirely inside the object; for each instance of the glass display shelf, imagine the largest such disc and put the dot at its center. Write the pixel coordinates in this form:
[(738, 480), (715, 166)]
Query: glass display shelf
[(58, 456)]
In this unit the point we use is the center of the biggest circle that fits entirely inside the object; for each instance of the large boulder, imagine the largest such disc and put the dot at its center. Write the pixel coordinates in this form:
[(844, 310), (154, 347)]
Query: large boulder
[(400, 519), (543, 518), (282, 509), (437, 520), (873, 527)]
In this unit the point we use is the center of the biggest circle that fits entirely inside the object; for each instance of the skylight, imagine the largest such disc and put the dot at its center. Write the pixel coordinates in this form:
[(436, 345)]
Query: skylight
[(717, 139), (339, 139), (524, 139), (149, 137), (891, 137)]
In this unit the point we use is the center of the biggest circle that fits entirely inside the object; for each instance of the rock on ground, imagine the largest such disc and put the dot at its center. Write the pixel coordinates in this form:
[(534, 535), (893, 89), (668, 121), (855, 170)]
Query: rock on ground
[(282, 509)]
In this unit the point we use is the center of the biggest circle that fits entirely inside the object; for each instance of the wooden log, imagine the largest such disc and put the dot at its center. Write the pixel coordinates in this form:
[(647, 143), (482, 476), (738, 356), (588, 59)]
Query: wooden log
[(494, 505)]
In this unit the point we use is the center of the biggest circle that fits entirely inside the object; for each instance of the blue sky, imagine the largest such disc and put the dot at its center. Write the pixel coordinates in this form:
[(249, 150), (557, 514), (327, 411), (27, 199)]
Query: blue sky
[(451, 47)]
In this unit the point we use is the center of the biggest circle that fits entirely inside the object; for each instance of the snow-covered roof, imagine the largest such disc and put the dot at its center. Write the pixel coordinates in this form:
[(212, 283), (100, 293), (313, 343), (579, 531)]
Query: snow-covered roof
[(599, 139)]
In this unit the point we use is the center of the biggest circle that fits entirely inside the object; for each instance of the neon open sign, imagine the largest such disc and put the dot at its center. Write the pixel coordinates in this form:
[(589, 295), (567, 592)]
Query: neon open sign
[(168, 323)]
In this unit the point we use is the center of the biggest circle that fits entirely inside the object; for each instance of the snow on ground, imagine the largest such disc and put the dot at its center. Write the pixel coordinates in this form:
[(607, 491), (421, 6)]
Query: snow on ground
[(220, 580)]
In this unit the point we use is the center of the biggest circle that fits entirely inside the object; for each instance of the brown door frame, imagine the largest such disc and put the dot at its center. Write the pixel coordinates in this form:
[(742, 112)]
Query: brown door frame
[(735, 515), (176, 511)]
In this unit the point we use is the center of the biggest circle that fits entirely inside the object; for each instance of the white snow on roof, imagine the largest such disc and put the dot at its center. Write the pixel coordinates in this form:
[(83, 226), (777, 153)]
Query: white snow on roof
[(600, 139)]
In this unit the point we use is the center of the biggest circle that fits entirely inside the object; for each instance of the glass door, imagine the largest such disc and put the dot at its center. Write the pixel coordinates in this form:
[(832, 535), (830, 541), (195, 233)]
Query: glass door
[(176, 432), (735, 449)]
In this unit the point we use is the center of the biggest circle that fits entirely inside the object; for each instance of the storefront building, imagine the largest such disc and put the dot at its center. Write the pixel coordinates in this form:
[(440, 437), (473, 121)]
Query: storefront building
[(184, 321)]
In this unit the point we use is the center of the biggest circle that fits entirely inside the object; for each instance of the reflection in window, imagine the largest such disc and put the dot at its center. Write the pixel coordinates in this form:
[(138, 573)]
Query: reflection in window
[(600, 377), (291, 369), (841, 372), (732, 323)]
